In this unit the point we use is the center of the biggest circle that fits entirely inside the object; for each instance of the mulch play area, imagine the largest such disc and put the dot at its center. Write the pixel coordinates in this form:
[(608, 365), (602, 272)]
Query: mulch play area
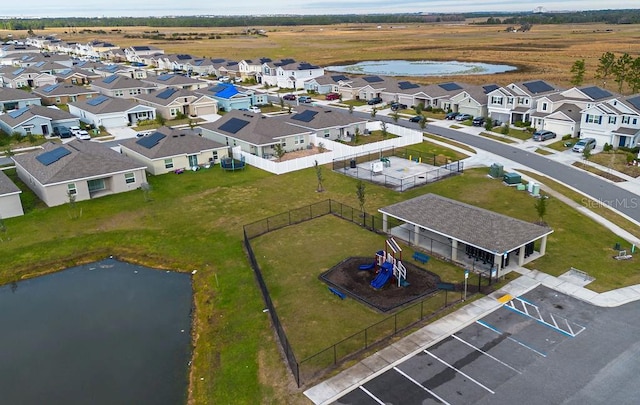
[(355, 283)]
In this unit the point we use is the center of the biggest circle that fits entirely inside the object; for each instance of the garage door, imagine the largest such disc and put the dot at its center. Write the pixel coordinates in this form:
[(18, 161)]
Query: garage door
[(112, 122), (468, 110)]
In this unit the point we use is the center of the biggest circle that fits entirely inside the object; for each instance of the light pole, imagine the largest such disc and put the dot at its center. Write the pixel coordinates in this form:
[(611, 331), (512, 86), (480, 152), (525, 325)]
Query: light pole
[(466, 277)]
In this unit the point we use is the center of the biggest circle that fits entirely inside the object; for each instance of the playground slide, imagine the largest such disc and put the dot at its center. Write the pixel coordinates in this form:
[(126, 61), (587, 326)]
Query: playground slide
[(383, 277), (368, 266)]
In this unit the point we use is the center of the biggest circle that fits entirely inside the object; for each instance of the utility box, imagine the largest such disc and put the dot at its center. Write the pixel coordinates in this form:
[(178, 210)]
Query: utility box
[(496, 171), (512, 178)]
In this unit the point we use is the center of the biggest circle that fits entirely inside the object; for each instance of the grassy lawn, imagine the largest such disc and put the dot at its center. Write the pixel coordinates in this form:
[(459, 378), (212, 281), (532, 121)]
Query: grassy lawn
[(616, 161), (440, 151), (497, 137), (561, 145), (601, 173), (543, 152), (519, 134), (372, 137), (355, 103), (147, 125), (450, 142)]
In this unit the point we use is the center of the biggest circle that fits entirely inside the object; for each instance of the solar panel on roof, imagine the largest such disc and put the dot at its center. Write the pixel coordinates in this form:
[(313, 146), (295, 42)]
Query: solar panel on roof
[(596, 92), (164, 77), (305, 116), (372, 79), (407, 85), (635, 101), (337, 78), (489, 88), (234, 125), (538, 87), (97, 101), (183, 57), (18, 71), (16, 113), (53, 155), (265, 60), (49, 88), (217, 60), (166, 93), (450, 86), (151, 140), (39, 64), (110, 79)]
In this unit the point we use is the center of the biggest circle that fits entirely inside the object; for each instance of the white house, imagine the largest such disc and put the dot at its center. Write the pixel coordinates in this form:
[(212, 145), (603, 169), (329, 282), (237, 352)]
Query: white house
[(111, 112), (615, 121)]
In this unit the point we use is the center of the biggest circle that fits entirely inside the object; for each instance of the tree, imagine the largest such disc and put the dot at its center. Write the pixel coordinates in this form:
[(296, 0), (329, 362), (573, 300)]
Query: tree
[(383, 128), (395, 116), (541, 207), (320, 188), (281, 103), (422, 122), (160, 120), (279, 150), (360, 193), (605, 68), (633, 79), (419, 108), (578, 69), (350, 109), (356, 135), (621, 70), (586, 152), (373, 112)]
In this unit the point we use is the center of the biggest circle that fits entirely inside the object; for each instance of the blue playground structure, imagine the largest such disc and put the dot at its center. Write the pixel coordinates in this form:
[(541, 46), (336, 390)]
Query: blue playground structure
[(384, 275), (389, 265), (231, 164)]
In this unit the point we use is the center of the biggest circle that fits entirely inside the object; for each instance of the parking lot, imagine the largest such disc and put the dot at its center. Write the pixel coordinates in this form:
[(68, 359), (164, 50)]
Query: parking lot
[(541, 348)]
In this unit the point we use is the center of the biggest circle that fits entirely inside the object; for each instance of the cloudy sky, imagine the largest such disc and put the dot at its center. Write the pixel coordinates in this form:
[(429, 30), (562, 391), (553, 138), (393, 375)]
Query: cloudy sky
[(96, 8)]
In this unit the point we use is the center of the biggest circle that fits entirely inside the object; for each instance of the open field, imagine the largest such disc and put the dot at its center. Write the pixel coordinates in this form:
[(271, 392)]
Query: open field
[(546, 52)]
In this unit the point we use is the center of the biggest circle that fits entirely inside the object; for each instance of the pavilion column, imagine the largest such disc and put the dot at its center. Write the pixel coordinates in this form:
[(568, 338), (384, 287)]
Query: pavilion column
[(385, 223), (416, 235), (543, 245), (521, 256), (497, 262), (454, 250)]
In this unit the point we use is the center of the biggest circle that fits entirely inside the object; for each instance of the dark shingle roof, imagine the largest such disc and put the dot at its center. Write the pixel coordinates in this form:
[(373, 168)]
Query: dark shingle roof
[(472, 225), (176, 142), (6, 185)]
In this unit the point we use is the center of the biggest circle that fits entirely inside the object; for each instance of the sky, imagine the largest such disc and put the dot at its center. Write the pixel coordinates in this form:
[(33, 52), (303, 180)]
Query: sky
[(143, 8)]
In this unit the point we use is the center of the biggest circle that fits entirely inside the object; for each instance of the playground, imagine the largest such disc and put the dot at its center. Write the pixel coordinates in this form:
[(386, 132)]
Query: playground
[(383, 281)]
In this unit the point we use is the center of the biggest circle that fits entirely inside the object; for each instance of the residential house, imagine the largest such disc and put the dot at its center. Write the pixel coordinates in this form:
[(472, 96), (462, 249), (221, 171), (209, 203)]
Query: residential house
[(256, 133), (287, 73), (224, 67), (173, 62), (199, 67), (168, 149), (561, 112), (10, 204), (16, 48), (119, 86), (140, 53), (228, 96), (62, 93), (472, 100), (35, 120), (77, 76), (517, 101), (615, 121), (326, 123), (82, 169), (171, 103), (37, 60), (363, 87), (249, 69), (114, 55), (16, 78), (327, 83), (94, 49), (14, 99), (111, 112), (178, 82)]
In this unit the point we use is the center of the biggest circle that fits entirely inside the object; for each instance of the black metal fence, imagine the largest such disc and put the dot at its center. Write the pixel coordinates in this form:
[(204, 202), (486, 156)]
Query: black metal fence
[(373, 335)]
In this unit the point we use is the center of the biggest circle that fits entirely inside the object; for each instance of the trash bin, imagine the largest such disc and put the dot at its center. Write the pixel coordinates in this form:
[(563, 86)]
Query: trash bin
[(512, 178), (617, 246), (352, 163)]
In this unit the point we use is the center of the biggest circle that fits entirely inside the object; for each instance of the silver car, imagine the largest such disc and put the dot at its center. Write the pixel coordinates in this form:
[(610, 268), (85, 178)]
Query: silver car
[(583, 143)]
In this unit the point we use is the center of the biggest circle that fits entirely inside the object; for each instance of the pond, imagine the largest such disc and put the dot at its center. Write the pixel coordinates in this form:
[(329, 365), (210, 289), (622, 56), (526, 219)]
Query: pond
[(421, 68), (103, 333)]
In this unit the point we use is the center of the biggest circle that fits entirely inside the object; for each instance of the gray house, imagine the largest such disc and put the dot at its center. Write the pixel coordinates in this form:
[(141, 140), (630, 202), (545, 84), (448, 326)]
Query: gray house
[(13, 99), (83, 169), (35, 120), (10, 205), (111, 112)]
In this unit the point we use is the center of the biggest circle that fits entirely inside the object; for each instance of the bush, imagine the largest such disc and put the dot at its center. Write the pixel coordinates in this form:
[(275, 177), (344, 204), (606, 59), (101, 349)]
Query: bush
[(567, 137), (429, 108), (630, 158), (505, 129), (607, 147), (634, 150)]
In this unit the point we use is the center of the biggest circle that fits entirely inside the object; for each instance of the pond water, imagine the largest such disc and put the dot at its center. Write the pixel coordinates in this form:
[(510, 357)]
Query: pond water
[(103, 333), (421, 68)]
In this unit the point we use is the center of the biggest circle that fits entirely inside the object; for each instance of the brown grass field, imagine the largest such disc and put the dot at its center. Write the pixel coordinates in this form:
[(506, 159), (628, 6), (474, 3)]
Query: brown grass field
[(546, 52)]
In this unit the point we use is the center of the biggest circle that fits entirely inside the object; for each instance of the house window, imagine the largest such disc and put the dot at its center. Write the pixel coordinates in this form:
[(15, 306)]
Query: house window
[(612, 119), (95, 185), (496, 100), (544, 106), (509, 100), (71, 189), (299, 140), (129, 178), (168, 163), (593, 119), (626, 119), (174, 112), (118, 93), (58, 100), (635, 121)]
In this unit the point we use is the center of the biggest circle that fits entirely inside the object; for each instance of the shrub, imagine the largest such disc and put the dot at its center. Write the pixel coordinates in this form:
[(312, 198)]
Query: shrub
[(630, 158), (607, 147), (567, 137), (634, 150), (505, 129)]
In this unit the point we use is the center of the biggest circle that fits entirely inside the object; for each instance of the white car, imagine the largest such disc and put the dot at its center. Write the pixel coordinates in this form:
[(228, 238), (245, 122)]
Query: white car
[(254, 109), (74, 130), (83, 135), (224, 79)]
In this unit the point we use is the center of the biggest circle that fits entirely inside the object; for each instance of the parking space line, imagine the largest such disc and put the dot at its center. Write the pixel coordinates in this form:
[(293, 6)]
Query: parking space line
[(512, 306), (366, 391), (493, 328), (459, 371), (487, 354), (408, 377)]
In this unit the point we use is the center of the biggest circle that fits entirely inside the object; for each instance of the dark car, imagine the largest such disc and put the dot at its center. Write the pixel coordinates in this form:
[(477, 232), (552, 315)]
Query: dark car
[(332, 96), (305, 99), (289, 97), (374, 101), (398, 106), (478, 121), (62, 132), (417, 118), (451, 115), (543, 135)]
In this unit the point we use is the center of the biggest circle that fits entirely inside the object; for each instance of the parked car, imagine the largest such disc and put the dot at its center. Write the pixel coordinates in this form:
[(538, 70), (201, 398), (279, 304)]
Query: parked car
[(255, 109), (289, 97), (83, 135), (583, 143), (74, 129), (62, 132), (304, 99), (224, 79), (478, 121), (332, 96), (374, 101), (417, 118), (463, 117), (543, 135), (398, 106), (451, 115)]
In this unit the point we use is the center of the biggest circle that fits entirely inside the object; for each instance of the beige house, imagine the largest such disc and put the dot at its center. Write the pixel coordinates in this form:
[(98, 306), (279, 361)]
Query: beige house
[(82, 169), (169, 149), (171, 102), (10, 204), (62, 93)]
